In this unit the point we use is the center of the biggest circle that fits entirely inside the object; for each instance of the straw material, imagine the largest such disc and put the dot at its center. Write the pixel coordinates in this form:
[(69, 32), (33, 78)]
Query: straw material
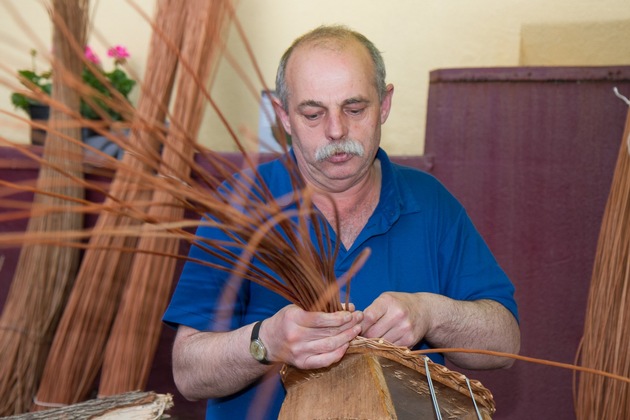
[(45, 273), (259, 225), (605, 344), (135, 334), (77, 350)]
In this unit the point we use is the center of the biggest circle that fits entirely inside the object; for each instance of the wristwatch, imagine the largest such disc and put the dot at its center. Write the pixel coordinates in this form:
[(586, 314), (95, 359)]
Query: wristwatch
[(256, 346)]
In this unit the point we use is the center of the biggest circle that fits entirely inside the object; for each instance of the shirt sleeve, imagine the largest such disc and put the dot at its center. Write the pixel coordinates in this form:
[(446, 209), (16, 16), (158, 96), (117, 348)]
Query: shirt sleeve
[(470, 270), (207, 297)]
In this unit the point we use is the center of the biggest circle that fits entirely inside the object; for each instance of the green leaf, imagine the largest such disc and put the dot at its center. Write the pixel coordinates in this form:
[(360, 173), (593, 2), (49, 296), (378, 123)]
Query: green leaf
[(19, 101), (120, 81)]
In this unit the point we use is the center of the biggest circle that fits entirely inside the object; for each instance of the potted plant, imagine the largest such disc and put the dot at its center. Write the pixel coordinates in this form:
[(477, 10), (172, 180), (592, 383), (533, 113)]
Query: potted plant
[(33, 80), (117, 78), (93, 75)]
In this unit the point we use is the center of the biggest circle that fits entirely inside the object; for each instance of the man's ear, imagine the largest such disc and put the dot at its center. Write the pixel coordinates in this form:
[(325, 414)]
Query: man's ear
[(386, 103), (281, 114)]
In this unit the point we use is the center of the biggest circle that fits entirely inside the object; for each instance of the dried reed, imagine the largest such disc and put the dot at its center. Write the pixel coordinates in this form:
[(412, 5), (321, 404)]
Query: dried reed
[(605, 343), (75, 355), (135, 334), (77, 350), (45, 273)]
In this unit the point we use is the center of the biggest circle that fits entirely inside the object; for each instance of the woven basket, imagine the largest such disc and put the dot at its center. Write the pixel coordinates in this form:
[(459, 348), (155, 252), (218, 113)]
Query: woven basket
[(376, 380)]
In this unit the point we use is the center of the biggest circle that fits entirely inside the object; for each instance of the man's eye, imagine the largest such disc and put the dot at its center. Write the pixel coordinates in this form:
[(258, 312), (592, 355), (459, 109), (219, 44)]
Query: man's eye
[(355, 111), (311, 117)]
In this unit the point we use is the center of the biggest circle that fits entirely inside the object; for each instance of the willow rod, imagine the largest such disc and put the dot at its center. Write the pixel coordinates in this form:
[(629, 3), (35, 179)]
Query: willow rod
[(605, 344), (135, 333), (77, 350), (45, 273)]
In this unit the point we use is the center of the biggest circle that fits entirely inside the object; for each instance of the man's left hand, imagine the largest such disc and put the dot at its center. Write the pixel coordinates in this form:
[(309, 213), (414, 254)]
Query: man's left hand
[(399, 318)]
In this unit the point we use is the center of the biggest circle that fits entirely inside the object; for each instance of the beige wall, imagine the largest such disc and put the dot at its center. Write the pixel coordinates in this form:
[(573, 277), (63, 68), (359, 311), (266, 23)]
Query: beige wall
[(415, 37), (576, 43)]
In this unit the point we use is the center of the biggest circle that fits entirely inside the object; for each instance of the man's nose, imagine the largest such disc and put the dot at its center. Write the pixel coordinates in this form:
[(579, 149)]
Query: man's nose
[(336, 126)]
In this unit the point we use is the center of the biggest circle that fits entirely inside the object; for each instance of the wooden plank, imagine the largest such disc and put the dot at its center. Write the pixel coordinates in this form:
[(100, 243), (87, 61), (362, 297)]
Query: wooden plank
[(136, 405)]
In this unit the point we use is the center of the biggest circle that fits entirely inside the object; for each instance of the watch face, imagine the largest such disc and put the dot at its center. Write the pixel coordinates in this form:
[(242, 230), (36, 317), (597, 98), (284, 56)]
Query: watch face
[(257, 350)]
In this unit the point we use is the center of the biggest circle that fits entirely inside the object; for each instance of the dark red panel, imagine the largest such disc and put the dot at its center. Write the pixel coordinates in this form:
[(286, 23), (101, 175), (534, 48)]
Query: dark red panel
[(531, 152)]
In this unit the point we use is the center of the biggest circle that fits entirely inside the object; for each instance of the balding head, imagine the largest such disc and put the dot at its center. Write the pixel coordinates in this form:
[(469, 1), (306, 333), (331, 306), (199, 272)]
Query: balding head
[(334, 37)]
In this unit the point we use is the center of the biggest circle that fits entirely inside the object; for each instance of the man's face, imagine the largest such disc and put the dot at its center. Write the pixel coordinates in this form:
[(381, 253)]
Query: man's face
[(333, 113)]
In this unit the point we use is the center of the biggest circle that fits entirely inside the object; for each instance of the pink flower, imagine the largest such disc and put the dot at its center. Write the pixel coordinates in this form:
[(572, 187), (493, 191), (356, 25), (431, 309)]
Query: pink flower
[(90, 55), (119, 53)]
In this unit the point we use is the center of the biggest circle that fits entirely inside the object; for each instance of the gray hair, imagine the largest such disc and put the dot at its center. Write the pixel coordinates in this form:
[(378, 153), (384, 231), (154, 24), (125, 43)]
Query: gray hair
[(321, 35)]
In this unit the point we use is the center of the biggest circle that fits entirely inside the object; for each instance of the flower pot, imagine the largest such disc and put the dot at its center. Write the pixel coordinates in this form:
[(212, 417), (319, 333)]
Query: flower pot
[(38, 113)]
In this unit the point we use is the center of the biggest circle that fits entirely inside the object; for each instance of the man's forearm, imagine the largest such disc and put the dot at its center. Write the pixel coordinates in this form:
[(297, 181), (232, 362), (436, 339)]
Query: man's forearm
[(483, 324), (211, 365)]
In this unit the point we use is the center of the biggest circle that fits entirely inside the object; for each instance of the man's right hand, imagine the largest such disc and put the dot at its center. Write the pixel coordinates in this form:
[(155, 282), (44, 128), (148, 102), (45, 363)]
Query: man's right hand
[(309, 340)]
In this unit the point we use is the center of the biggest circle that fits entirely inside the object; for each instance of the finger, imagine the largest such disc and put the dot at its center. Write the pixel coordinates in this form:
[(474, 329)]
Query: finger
[(349, 307), (328, 349), (378, 330), (341, 319), (340, 335), (321, 360), (371, 317), (396, 336)]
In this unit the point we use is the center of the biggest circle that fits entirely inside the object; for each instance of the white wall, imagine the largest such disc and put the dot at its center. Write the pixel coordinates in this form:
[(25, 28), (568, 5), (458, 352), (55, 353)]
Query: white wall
[(415, 37)]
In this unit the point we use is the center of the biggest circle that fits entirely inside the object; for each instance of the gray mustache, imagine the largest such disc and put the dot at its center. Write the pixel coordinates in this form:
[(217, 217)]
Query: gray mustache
[(349, 146)]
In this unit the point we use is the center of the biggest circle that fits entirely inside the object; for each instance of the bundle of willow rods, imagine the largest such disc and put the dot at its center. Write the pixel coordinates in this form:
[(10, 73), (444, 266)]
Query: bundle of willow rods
[(265, 231), (45, 273), (77, 350), (124, 217), (136, 330), (605, 344)]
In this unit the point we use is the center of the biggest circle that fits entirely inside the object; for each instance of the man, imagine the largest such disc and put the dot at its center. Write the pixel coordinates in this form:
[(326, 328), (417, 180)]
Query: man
[(430, 280)]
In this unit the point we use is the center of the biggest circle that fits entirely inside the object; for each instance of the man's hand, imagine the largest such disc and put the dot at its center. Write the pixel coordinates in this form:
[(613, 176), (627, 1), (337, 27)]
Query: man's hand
[(309, 340), (399, 318), (406, 318), (216, 364)]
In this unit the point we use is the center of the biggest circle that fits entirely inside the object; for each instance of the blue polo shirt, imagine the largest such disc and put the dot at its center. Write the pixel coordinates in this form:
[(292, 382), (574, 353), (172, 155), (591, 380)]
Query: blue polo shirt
[(421, 240)]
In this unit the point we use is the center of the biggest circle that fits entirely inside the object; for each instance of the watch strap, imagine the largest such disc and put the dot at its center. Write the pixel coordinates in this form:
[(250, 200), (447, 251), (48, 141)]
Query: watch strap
[(255, 337), (256, 330)]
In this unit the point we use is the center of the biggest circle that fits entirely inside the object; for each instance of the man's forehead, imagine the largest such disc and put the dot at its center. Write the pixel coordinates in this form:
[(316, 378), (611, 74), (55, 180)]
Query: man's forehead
[(351, 56), (333, 73), (338, 45), (328, 43)]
